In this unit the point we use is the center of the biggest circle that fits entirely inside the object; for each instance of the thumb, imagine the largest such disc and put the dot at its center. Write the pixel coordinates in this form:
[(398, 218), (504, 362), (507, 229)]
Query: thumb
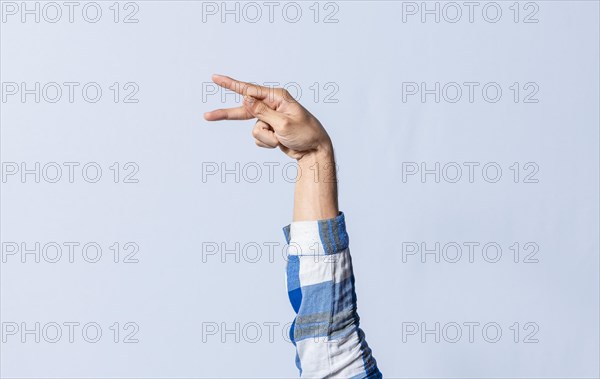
[(261, 111)]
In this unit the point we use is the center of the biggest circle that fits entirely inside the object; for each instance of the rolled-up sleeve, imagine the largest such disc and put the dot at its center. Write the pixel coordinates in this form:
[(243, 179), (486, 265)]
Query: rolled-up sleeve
[(320, 283)]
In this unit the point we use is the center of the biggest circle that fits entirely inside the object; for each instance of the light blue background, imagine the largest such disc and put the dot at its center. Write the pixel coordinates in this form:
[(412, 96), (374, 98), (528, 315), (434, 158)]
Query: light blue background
[(171, 212)]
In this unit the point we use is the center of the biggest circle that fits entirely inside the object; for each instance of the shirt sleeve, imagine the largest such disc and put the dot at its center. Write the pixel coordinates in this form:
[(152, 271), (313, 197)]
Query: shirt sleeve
[(320, 283)]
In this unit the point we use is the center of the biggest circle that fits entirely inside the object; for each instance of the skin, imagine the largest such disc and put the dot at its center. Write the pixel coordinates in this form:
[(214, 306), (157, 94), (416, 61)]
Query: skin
[(283, 122)]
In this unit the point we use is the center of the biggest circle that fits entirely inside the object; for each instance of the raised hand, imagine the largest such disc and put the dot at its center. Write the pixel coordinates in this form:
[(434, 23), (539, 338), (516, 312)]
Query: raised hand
[(282, 121)]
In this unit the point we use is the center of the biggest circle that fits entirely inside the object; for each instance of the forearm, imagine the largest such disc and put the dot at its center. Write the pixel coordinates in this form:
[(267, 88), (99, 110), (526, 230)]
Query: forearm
[(315, 196), (320, 279)]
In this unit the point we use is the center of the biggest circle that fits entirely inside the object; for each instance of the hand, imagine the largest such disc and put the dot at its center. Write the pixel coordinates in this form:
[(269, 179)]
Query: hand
[(282, 121)]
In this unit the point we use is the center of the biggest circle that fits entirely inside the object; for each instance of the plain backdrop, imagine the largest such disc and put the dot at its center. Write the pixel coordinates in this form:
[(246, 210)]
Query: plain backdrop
[(203, 296)]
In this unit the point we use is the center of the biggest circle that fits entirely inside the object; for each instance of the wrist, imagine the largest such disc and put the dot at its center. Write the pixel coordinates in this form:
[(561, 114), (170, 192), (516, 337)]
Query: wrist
[(318, 167), (316, 186), (323, 153)]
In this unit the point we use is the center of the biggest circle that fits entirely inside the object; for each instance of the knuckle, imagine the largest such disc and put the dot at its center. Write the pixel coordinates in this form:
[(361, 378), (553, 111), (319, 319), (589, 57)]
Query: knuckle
[(259, 108), (285, 123), (286, 95), (254, 90), (226, 115), (244, 88)]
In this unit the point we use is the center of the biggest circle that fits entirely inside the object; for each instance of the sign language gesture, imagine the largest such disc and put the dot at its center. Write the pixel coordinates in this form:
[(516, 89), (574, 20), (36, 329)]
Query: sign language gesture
[(282, 121)]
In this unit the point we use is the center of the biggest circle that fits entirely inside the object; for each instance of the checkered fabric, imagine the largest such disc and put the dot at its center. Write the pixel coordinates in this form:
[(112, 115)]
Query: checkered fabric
[(320, 281)]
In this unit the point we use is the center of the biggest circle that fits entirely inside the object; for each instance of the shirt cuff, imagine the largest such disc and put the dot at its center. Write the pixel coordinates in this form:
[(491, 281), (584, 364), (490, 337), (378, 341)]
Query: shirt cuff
[(322, 237)]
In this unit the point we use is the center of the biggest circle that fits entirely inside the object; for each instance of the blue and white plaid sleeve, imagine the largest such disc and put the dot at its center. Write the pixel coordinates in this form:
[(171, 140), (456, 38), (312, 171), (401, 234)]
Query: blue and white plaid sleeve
[(320, 281)]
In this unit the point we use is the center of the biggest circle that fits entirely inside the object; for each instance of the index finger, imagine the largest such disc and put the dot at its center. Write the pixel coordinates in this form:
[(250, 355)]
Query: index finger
[(259, 92)]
